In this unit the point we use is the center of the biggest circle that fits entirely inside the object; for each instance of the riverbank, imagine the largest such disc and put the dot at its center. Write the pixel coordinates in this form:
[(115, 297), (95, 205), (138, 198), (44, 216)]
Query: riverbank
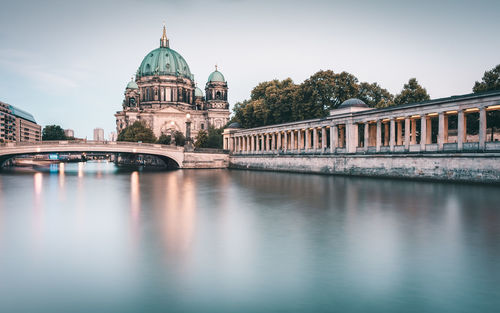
[(464, 167)]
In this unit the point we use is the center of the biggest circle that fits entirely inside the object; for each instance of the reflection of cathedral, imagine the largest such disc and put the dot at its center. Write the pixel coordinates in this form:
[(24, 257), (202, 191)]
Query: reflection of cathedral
[(164, 92)]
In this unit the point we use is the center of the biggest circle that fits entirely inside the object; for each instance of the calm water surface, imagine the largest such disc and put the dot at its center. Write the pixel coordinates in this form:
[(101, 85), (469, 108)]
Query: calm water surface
[(93, 239)]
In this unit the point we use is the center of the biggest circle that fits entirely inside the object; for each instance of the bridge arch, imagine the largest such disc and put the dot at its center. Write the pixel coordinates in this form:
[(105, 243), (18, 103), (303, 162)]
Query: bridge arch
[(172, 155)]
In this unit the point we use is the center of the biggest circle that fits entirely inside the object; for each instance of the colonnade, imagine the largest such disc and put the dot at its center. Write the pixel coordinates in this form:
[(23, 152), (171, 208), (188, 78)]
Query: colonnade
[(420, 128)]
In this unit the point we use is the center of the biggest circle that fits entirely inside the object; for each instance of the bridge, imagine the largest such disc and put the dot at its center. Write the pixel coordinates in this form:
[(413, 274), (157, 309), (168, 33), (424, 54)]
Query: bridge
[(173, 156)]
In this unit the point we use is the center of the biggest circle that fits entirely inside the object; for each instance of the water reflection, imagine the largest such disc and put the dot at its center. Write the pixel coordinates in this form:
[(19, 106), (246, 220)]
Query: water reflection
[(231, 241)]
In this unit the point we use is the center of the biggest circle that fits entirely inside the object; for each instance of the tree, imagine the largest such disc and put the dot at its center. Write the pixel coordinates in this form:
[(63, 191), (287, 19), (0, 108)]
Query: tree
[(164, 139), (275, 102), (375, 96), (490, 81), (412, 92), (180, 140), (214, 139), (53, 132), (201, 139), (138, 131)]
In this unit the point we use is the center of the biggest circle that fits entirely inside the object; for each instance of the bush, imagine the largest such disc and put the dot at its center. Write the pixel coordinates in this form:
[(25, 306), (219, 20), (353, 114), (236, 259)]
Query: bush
[(137, 132), (164, 139), (180, 140)]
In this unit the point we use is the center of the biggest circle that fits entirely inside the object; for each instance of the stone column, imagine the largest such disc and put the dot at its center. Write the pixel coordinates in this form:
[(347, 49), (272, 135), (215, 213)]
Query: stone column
[(423, 132), (392, 138), (461, 130), (285, 137), (279, 147), (413, 139), (379, 135), (441, 131), (315, 139), (446, 117), (334, 136), (399, 135), (367, 136), (351, 137), (407, 133), (252, 143), (308, 139), (299, 139), (323, 138), (482, 128), (292, 140)]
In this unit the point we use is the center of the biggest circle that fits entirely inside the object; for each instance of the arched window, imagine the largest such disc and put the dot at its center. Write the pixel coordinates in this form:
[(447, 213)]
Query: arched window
[(217, 95), (147, 94)]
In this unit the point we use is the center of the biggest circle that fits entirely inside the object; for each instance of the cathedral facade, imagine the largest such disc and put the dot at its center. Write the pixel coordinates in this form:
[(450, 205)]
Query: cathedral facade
[(165, 97)]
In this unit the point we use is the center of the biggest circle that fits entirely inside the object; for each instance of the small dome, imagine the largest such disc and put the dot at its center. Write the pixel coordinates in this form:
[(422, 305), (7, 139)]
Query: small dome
[(198, 92), (353, 102), (216, 77), (132, 85), (234, 125)]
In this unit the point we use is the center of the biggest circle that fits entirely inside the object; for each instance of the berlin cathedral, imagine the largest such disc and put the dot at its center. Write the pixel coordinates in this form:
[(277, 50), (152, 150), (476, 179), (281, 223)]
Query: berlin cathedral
[(164, 95)]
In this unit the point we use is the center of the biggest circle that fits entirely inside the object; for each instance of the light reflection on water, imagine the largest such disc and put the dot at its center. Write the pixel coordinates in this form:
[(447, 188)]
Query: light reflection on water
[(86, 237)]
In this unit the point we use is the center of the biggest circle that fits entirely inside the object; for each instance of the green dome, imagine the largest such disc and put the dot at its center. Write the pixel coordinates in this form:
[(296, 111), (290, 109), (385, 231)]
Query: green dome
[(132, 85), (198, 92), (216, 77), (164, 61)]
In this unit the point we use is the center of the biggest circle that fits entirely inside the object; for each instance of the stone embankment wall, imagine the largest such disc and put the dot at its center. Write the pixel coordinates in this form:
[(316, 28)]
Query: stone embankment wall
[(205, 160), (477, 167)]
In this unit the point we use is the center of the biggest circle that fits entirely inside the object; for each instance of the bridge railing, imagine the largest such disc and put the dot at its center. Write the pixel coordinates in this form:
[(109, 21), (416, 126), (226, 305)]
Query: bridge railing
[(88, 142)]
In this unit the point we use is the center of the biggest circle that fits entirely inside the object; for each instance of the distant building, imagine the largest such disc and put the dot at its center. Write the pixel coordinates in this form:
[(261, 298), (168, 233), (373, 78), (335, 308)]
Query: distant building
[(69, 133), (98, 134), (112, 136), (17, 125)]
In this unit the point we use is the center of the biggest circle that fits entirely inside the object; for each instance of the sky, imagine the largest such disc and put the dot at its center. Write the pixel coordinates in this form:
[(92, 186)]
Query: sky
[(68, 62)]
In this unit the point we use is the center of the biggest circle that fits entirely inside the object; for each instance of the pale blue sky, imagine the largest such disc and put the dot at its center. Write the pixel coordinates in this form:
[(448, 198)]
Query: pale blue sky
[(68, 62)]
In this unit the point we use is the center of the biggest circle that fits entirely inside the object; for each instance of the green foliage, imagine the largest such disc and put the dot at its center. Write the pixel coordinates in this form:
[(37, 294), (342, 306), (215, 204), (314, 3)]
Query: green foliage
[(490, 81), (412, 92), (215, 137), (201, 139), (375, 96), (138, 131), (276, 102), (180, 139), (53, 132), (212, 138), (164, 139)]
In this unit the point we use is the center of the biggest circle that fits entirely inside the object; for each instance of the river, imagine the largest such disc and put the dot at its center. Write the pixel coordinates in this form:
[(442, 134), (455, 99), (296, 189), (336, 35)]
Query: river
[(90, 238)]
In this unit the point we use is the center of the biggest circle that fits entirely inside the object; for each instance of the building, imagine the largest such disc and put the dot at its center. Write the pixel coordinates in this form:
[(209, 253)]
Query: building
[(164, 95), (69, 133), (98, 134), (7, 124), (112, 136), (17, 125)]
